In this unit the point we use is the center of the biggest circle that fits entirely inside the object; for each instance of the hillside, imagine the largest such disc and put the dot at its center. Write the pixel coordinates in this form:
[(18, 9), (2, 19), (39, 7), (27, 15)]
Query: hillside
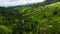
[(31, 20)]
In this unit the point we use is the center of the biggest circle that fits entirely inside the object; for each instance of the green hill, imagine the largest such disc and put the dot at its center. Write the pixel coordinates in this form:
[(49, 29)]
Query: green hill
[(31, 20), (47, 16)]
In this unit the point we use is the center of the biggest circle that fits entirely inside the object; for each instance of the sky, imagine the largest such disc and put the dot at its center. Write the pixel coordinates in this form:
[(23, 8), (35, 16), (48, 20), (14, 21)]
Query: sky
[(8, 3)]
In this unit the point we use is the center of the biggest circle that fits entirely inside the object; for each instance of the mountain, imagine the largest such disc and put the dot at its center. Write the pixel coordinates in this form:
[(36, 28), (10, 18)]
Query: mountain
[(30, 19), (10, 3), (36, 4), (51, 1)]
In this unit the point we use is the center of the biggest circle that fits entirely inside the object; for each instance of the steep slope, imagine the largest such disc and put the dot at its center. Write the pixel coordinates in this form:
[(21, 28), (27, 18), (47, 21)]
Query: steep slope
[(47, 17), (31, 20)]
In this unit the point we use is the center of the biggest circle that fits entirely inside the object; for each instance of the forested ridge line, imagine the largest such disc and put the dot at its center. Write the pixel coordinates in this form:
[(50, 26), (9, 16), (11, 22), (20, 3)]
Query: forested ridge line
[(30, 19)]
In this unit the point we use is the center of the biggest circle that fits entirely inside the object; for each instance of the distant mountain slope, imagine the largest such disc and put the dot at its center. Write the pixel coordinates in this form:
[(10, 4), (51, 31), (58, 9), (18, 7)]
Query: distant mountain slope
[(30, 19), (51, 1), (46, 16)]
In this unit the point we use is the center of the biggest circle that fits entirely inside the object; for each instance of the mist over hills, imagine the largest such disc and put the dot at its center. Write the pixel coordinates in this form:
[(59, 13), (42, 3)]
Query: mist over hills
[(12, 4), (9, 3), (31, 19), (37, 18)]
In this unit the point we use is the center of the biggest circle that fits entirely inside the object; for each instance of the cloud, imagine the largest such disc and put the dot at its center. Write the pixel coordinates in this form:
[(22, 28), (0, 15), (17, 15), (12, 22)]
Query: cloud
[(8, 3)]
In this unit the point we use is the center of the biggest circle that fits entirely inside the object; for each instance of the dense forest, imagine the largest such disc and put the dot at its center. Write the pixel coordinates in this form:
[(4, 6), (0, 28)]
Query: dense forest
[(31, 19)]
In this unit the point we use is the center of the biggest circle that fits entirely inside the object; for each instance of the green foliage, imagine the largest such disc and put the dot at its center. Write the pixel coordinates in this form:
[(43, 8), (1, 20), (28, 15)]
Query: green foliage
[(4, 30), (30, 20)]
